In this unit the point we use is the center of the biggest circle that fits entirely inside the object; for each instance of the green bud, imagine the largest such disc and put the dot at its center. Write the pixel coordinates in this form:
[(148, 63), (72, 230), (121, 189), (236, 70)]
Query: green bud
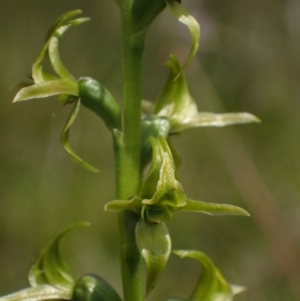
[(144, 12), (97, 98), (154, 244), (94, 288)]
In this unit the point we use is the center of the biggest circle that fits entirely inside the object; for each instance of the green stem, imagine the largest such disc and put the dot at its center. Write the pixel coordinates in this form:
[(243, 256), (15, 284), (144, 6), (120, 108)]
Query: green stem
[(127, 150)]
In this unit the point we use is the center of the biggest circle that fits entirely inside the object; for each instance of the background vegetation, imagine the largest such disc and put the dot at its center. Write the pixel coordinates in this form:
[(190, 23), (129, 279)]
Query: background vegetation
[(248, 61)]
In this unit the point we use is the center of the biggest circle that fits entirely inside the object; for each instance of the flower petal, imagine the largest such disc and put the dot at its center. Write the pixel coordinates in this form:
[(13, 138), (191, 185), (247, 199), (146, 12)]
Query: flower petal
[(211, 285), (213, 208), (211, 119), (134, 204), (64, 138), (38, 293), (183, 16), (46, 89)]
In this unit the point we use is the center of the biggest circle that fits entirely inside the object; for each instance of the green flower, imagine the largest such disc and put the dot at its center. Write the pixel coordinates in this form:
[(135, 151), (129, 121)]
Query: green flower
[(177, 105), (51, 279), (160, 195), (211, 285), (86, 91)]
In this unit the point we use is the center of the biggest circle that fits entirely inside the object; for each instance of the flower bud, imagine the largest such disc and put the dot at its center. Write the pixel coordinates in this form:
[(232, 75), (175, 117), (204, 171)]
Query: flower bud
[(94, 288), (97, 98)]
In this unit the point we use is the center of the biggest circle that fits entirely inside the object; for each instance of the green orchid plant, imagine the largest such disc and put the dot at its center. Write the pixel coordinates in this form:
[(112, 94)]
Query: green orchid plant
[(145, 201)]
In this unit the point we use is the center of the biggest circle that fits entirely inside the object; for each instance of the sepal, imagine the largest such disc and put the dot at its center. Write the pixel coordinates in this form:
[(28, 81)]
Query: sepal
[(211, 285), (213, 208), (155, 126), (38, 293), (183, 16), (46, 89), (64, 139), (154, 244)]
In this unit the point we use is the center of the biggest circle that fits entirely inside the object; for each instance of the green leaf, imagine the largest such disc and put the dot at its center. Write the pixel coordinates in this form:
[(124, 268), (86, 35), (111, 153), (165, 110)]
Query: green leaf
[(213, 208), (64, 138), (50, 268), (38, 293), (211, 285), (154, 244), (183, 16), (46, 89)]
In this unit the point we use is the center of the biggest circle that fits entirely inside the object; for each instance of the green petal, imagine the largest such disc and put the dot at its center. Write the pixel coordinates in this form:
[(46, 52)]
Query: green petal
[(175, 101), (211, 119), (37, 293), (211, 285), (38, 73), (135, 204), (183, 16), (64, 138), (169, 191), (46, 89), (213, 208), (53, 51), (154, 244), (50, 267), (154, 126)]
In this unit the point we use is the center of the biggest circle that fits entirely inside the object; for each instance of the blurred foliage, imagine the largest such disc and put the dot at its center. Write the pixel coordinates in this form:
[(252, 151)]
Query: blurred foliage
[(248, 61)]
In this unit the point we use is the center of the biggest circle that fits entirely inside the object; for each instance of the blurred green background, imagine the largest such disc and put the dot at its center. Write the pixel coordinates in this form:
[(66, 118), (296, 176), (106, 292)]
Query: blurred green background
[(248, 61)]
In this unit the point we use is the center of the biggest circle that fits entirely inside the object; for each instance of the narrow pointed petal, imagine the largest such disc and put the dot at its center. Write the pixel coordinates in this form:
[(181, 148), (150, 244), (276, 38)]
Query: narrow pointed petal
[(38, 293), (46, 89), (50, 268), (38, 73), (183, 16), (53, 50), (154, 244), (135, 204), (211, 285), (203, 119), (213, 208), (64, 138)]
